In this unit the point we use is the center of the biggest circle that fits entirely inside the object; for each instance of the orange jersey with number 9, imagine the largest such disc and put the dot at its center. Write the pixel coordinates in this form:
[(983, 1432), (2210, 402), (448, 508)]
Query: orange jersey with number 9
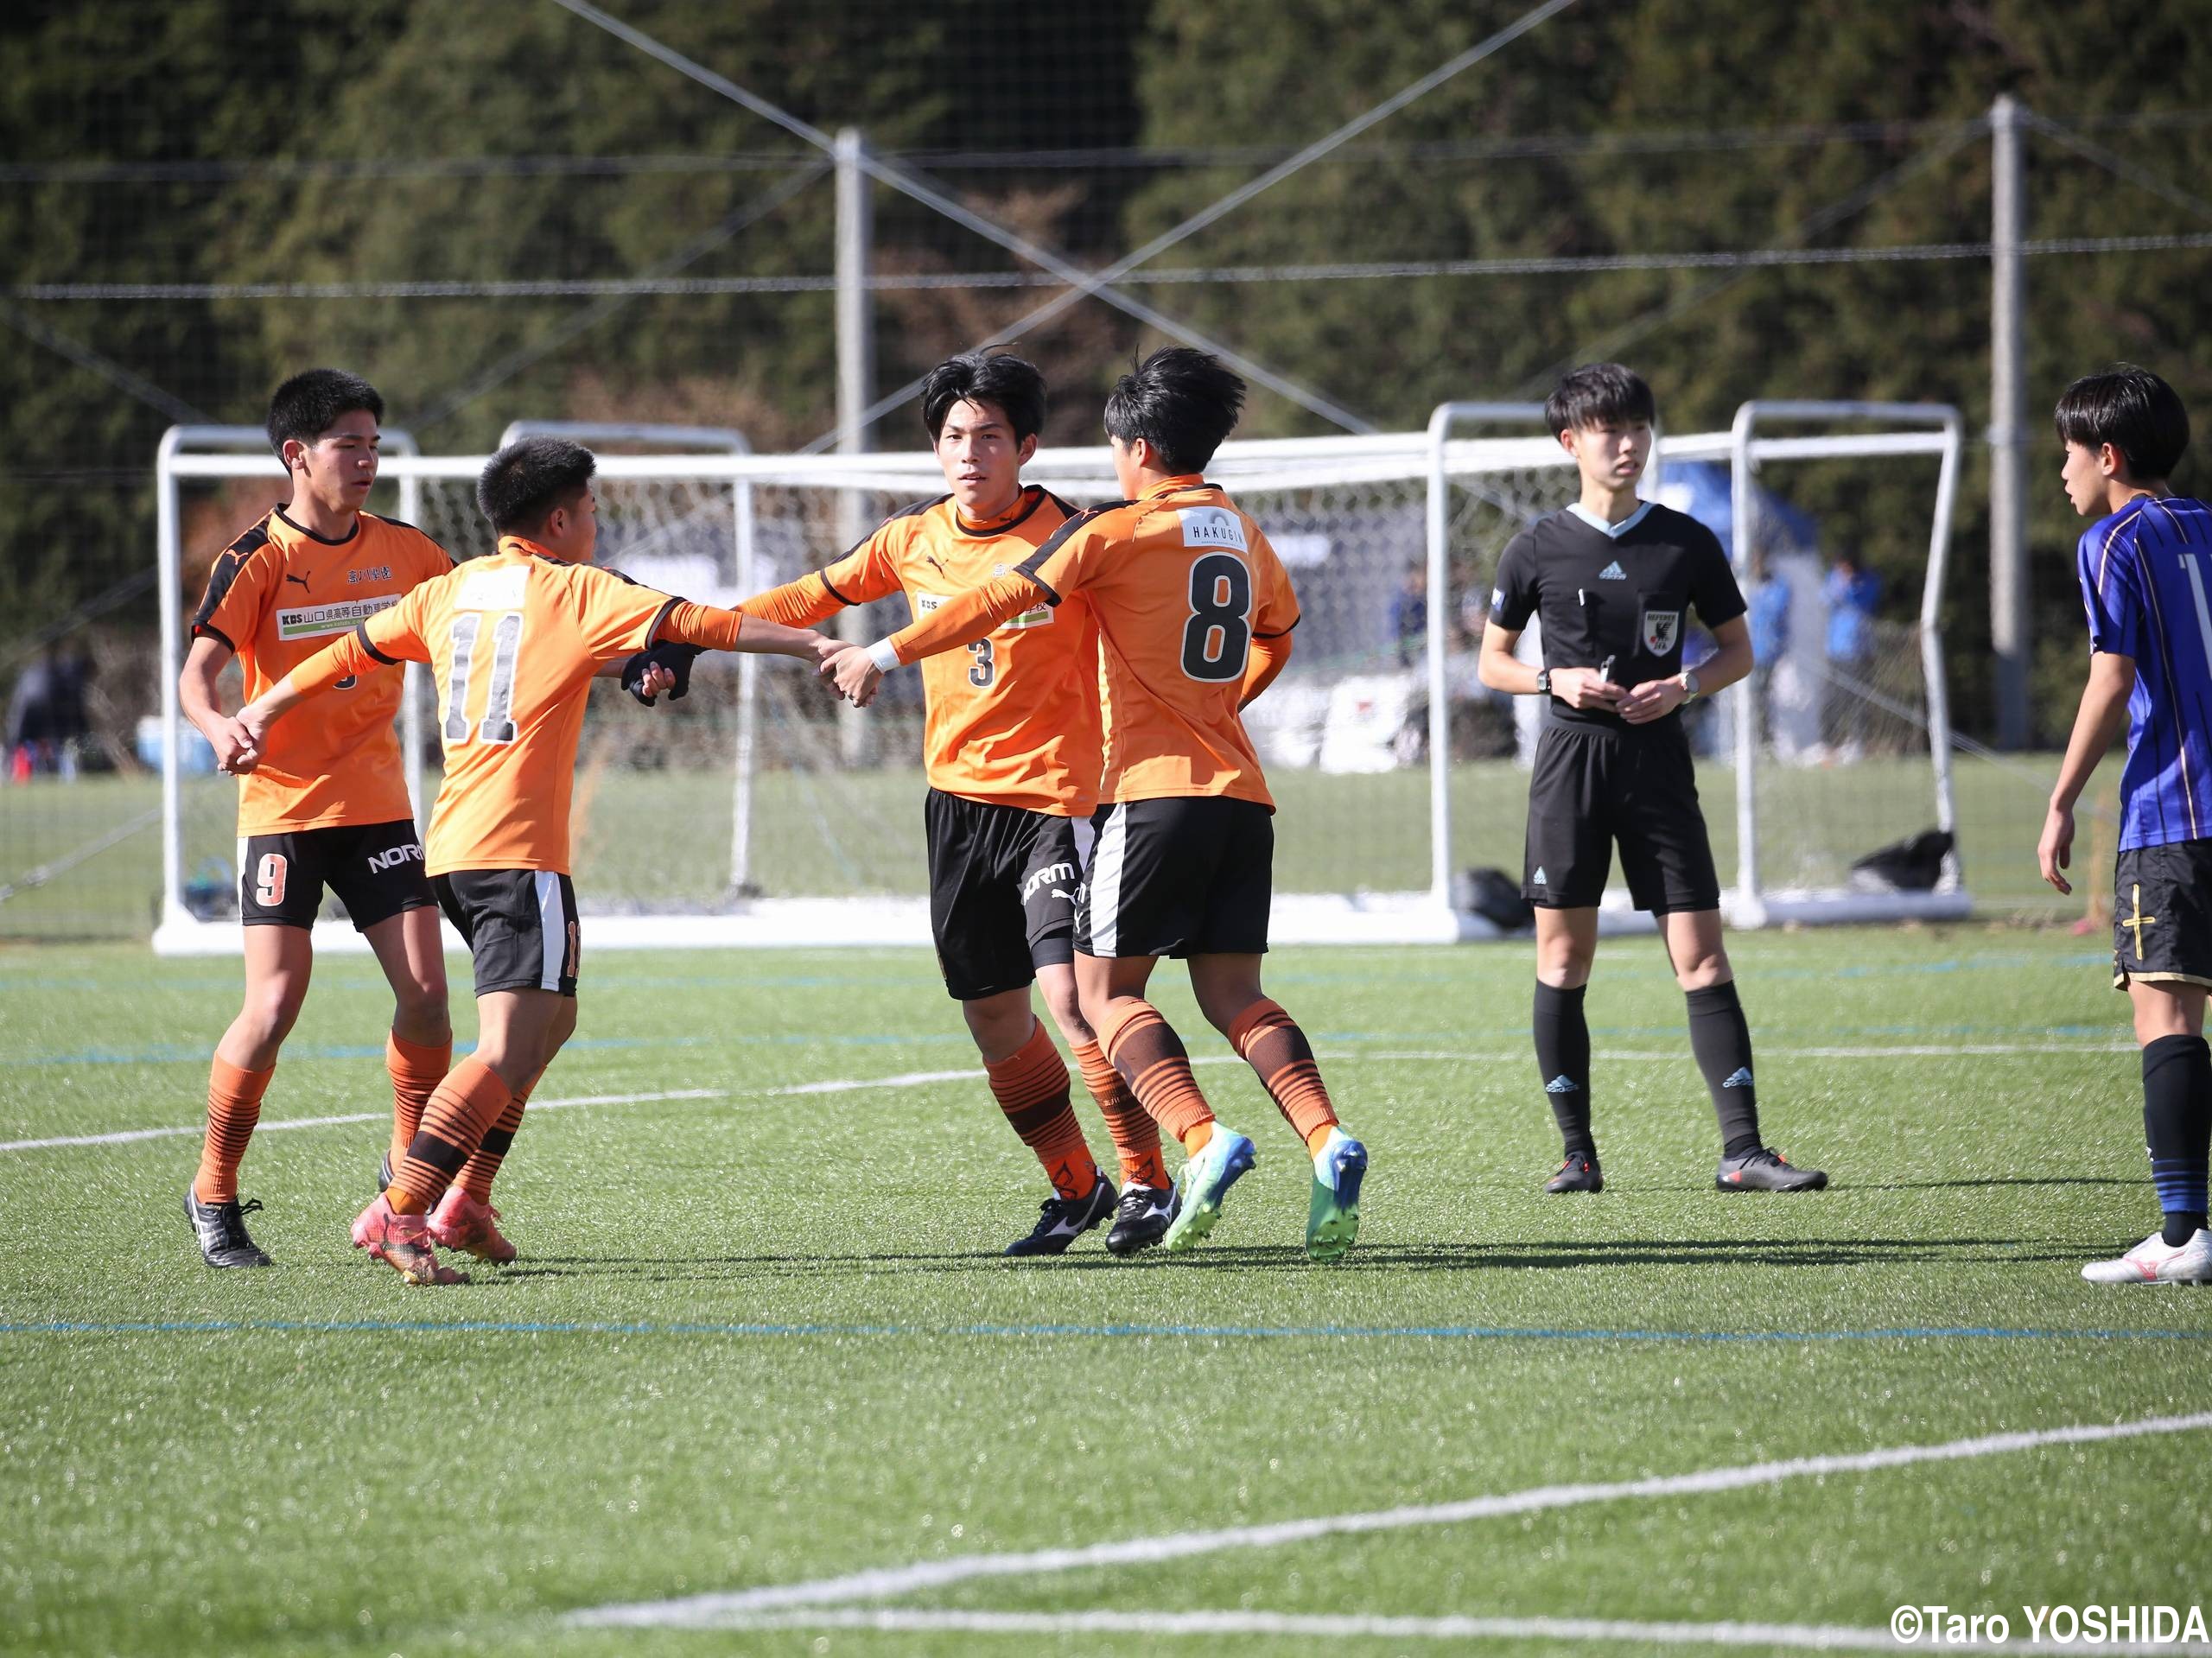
[(514, 640), (278, 595)]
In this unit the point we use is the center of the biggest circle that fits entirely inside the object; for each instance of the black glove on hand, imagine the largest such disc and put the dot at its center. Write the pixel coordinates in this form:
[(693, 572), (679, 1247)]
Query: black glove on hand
[(677, 658)]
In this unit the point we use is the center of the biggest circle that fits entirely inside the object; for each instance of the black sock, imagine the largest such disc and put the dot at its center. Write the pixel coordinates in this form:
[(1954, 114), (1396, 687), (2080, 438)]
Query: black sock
[(2178, 1123), (1563, 1063), (1722, 1042)]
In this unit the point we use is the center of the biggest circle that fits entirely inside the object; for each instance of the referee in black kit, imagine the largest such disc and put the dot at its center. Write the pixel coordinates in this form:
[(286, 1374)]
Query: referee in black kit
[(1611, 577)]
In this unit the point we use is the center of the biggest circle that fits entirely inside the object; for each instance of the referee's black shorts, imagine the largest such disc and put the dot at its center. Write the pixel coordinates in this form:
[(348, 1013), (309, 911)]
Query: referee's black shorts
[(1597, 784)]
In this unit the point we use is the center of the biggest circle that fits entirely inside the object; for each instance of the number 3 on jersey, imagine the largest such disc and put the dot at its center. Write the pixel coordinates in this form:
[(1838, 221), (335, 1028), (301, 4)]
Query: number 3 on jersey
[(497, 725), (1219, 636)]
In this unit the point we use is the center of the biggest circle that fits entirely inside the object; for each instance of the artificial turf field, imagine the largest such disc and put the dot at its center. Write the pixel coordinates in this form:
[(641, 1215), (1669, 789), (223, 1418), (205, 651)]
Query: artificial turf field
[(760, 1335)]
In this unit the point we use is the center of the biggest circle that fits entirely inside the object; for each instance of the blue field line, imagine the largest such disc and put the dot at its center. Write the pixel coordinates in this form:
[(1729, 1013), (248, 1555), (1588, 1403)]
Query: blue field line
[(1214, 1332)]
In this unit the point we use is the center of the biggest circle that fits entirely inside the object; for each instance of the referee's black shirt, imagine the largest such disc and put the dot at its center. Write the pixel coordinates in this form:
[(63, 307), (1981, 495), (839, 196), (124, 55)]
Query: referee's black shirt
[(1624, 595)]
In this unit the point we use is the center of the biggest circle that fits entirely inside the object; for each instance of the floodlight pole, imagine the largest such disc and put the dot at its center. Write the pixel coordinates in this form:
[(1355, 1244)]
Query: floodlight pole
[(2008, 418), (855, 381)]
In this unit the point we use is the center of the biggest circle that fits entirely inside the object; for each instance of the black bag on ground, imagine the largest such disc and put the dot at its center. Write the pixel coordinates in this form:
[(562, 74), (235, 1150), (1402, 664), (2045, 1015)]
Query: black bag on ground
[(1909, 866), (1496, 897)]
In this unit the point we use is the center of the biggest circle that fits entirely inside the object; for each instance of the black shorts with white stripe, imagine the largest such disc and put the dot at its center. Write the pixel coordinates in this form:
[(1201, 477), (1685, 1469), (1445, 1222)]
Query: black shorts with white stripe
[(519, 925), (1003, 884), (1182, 876)]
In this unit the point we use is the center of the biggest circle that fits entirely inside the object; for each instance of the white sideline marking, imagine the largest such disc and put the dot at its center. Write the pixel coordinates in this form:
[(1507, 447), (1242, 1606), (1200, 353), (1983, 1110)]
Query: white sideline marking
[(720, 1609), (921, 1078), (1818, 1637)]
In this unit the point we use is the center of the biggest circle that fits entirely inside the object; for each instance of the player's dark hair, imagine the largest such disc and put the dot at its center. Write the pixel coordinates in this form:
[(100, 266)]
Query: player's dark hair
[(2133, 410), (522, 484), (1598, 394), (1180, 401), (309, 404), (1008, 383)]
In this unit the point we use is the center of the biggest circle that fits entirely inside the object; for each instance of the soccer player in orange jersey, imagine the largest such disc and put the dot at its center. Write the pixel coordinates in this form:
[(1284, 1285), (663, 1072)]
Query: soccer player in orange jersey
[(514, 641), (327, 805), (1011, 747), (1194, 614)]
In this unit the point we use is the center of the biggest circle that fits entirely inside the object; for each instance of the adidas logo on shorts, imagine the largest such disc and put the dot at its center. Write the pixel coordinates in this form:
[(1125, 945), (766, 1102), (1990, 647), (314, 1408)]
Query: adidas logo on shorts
[(1613, 572), (1537, 879)]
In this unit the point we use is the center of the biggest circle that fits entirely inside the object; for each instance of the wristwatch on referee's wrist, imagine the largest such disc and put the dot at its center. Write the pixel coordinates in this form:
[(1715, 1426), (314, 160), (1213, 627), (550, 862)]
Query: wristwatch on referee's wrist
[(1543, 682), (1687, 680)]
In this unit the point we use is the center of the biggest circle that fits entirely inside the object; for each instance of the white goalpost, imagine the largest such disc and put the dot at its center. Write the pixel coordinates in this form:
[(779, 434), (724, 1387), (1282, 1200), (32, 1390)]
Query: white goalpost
[(739, 817)]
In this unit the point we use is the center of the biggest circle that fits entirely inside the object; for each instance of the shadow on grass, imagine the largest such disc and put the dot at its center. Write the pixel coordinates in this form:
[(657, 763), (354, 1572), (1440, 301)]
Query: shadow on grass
[(1516, 1253)]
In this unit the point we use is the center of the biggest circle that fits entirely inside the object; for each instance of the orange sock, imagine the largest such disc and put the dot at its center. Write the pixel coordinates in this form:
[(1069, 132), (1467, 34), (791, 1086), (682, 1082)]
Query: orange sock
[(233, 1107), (460, 1111), (1136, 1136), (1277, 1050), (416, 1070), (1030, 1086), (483, 1166), (1153, 1062), (1195, 1140)]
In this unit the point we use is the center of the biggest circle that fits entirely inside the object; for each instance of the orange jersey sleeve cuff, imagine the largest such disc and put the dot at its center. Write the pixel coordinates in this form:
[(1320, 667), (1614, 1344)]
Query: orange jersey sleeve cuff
[(686, 623), (1269, 653), (969, 617), (796, 604)]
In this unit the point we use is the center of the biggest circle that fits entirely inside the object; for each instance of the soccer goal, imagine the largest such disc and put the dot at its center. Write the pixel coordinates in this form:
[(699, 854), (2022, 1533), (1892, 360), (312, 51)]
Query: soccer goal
[(761, 810)]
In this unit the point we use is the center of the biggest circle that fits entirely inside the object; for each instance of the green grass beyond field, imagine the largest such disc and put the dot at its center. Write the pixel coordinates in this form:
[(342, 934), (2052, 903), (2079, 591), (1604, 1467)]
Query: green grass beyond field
[(760, 1337)]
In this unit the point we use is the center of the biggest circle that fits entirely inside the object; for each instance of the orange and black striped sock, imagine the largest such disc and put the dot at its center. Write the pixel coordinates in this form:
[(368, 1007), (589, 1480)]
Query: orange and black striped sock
[(1136, 1136), (1030, 1086), (1277, 1050), (416, 1070), (460, 1111), (1157, 1067), (233, 1107), (483, 1166)]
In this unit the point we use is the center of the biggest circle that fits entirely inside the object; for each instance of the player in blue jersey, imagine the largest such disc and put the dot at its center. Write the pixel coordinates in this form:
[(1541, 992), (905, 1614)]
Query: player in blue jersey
[(2146, 579)]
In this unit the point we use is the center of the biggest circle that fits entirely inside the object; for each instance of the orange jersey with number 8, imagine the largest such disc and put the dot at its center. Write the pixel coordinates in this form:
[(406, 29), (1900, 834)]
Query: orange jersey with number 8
[(1187, 591)]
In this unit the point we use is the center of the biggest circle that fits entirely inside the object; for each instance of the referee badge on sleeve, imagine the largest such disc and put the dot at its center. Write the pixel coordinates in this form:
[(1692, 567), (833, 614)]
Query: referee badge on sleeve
[(1662, 628)]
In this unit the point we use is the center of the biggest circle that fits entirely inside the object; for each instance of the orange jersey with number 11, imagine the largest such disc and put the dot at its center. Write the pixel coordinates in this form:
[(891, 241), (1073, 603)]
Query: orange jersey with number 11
[(514, 640)]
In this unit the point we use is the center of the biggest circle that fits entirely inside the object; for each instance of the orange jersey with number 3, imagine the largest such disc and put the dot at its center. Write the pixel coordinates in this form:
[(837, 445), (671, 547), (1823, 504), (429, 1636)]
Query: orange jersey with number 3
[(514, 640), (1182, 583), (1012, 719), (278, 595)]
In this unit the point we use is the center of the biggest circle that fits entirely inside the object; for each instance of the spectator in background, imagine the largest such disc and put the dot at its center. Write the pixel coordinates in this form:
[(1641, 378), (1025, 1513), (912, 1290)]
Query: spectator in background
[(46, 716), (1851, 593), (1769, 625), (1409, 612)]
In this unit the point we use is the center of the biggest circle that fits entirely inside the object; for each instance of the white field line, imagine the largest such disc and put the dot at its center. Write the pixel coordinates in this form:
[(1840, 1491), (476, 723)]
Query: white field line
[(726, 1608), (923, 1078), (1326, 1626)]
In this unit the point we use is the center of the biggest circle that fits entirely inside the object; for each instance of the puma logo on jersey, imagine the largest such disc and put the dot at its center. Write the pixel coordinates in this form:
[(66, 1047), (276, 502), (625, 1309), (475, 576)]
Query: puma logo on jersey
[(1212, 526), (1613, 572), (302, 579)]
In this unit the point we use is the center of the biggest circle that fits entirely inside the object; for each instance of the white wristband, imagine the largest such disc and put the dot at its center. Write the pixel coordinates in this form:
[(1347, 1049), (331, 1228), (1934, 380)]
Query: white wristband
[(883, 656)]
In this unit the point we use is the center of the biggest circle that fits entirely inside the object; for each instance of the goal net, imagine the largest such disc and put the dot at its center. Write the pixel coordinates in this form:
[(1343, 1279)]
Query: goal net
[(760, 809)]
